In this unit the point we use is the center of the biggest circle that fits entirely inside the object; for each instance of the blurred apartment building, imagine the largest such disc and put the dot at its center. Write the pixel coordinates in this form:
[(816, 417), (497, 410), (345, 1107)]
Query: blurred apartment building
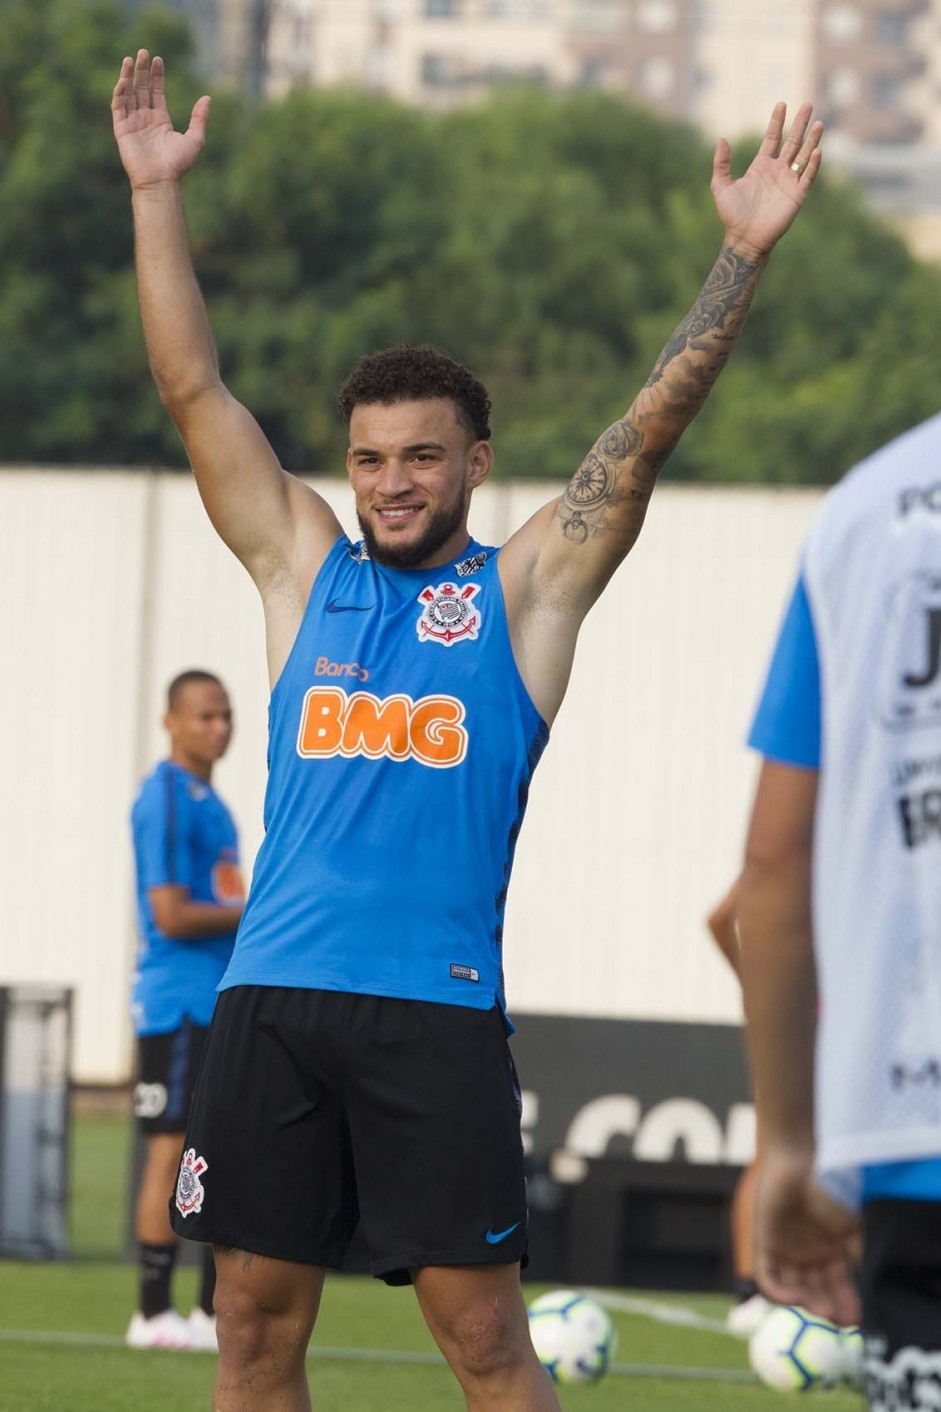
[(871, 67), (442, 52), (230, 35)]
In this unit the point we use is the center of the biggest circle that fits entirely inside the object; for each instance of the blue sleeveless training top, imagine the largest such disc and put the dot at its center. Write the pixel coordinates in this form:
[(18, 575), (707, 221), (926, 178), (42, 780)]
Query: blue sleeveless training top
[(401, 746)]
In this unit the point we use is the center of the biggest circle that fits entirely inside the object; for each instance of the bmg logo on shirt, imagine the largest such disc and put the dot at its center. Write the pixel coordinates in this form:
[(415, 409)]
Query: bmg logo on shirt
[(428, 730)]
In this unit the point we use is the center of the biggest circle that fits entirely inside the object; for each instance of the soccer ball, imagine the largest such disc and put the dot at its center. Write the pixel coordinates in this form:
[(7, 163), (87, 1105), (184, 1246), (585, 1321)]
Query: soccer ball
[(853, 1348), (573, 1337), (794, 1351)]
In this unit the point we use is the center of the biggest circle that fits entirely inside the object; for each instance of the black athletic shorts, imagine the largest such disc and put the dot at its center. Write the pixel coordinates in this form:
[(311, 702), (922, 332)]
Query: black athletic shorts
[(167, 1066), (901, 1296), (317, 1109)]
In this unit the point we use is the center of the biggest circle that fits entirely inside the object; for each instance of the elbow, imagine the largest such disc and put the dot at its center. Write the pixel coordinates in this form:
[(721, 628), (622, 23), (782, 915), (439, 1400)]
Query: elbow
[(171, 928), (170, 922), (180, 395), (777, 846), (191, 408), (168, 906), (775, 868), (168, 392)]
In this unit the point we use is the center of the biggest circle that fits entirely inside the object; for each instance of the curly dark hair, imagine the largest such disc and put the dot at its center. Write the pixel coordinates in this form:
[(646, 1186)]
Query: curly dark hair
[(411, 372)]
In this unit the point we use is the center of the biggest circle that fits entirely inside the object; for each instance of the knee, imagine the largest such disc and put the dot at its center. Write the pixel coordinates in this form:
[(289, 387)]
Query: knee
[(487, 1342), (254, 1332)]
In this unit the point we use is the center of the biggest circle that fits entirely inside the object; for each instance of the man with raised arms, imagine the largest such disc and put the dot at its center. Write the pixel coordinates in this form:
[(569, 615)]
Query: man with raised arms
[(358, 1067)]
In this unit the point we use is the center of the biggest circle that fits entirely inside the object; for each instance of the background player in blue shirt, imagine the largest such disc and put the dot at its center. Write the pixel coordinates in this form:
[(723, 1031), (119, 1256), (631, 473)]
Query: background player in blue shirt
[(189, 902), (393, 1096)]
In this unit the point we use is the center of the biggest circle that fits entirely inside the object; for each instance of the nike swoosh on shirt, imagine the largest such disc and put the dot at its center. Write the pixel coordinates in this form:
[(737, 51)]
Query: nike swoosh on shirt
[(495, 1237), (335, 607)]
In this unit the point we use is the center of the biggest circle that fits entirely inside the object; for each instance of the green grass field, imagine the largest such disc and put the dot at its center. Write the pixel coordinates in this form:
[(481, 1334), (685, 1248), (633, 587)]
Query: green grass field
[(62, 1325)]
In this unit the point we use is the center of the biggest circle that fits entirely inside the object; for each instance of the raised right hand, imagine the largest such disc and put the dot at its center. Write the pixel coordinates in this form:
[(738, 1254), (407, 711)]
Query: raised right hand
[(151, 150)]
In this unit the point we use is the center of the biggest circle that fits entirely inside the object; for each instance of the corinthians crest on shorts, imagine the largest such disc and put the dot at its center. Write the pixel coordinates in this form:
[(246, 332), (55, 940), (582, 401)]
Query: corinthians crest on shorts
[(448, 614), (189, 1189)]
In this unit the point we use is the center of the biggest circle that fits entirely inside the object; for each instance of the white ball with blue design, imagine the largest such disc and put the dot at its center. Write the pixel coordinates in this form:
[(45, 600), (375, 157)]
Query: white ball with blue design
[(573, 1336), (794, 1351), (853, 1350)]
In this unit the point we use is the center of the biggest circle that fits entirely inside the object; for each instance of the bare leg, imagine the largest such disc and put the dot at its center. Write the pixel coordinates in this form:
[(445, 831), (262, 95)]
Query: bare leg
[(265, 1312), (477, 1316), (158, 1179), (743, 1224)]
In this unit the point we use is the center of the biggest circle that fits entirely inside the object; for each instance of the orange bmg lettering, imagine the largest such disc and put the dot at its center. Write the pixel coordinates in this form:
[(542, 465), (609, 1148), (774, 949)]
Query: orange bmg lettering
[(429, 730)]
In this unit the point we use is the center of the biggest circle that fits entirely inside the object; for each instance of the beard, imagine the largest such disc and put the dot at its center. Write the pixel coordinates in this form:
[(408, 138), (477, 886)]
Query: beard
[(439, 529)]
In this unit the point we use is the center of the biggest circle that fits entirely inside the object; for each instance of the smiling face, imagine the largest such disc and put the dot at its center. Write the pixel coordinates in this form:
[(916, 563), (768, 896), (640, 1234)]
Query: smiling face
[(412, 466)]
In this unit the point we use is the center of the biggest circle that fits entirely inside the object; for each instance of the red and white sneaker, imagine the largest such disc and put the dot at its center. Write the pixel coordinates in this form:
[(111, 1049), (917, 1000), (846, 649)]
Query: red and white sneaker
[(166, 1330), (202, 1327)]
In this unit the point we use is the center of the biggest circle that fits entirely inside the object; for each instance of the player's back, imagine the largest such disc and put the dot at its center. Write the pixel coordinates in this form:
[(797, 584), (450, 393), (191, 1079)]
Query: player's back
[(872, 571)]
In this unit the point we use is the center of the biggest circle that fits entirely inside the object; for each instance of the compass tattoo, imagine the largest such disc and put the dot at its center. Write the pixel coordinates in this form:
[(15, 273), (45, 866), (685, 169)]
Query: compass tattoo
[(595, 487)]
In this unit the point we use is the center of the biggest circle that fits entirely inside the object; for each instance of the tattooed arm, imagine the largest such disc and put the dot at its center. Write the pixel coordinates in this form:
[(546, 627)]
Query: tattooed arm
[(554, 568), (607, 497)]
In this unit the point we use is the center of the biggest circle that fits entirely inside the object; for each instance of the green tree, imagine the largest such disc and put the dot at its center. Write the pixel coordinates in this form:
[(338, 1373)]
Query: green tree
[(73, 381), (551, 242)]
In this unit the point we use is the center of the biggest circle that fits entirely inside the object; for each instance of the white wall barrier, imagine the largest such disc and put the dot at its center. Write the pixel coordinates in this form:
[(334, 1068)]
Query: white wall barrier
[(113, 581)]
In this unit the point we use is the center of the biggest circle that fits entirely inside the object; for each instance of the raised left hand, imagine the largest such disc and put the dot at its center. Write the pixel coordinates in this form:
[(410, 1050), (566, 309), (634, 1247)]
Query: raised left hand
[(759, 207)]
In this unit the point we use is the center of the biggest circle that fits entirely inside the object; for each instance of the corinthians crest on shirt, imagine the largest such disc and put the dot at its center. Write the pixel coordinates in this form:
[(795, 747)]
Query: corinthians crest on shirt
[(448, 614)]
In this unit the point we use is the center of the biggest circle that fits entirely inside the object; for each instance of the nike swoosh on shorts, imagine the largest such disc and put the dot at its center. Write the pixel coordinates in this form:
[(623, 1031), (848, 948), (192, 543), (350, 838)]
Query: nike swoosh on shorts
[(495, 1237)]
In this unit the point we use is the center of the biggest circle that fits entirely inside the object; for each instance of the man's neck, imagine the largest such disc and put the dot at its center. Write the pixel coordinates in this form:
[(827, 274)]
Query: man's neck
[(202, 769)]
